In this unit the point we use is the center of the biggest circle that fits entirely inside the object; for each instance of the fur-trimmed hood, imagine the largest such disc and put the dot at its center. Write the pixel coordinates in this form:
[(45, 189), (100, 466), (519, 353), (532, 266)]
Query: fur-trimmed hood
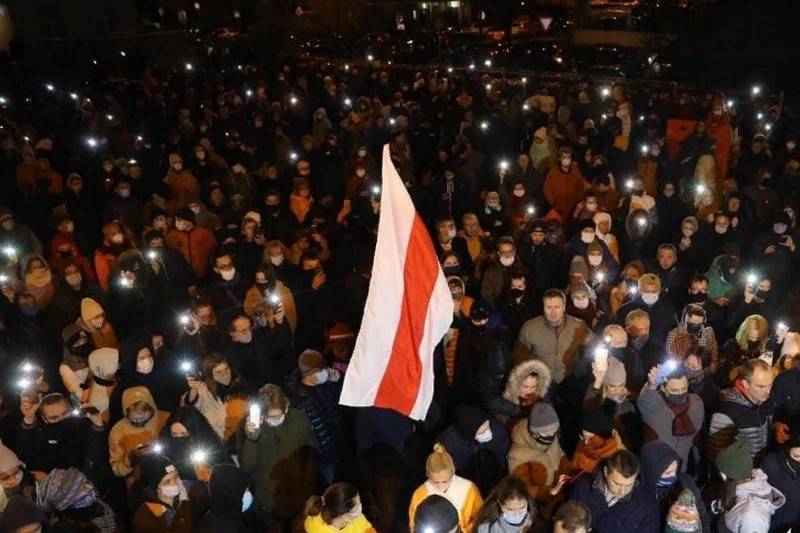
[(520, 372)]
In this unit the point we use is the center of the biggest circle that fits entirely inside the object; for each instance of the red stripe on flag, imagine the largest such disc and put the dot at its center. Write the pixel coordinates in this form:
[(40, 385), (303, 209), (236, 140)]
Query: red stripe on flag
[(401, 381)]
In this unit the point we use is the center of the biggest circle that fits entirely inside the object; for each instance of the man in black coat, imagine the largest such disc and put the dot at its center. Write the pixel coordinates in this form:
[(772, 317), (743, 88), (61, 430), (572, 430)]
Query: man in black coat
[(541, 258)]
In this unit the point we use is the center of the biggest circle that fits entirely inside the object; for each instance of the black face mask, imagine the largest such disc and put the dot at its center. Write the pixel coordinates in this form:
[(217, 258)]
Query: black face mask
[(82, 351), (694, 329), (272, 209), (638, 192), (678, 399), (545, 440), (700, 297), (517, 293)]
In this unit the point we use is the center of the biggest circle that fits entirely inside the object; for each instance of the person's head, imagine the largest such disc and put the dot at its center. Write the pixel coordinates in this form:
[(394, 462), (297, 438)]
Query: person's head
[(615, 336), (676, 387), (721, 222), (217, 370), (54, 408), (436, 515), (440, 469), (6, 219), (204, 312), (620, 472), (309, 262), (694, 318), (508, 502), (756, 380), (36, 266), (339, 505), (313, 368), (224, 267), (554, 303), (11, 469), (698, 288), (274, 404), (543, 424), (667, 256), (602, 223), (471, 225), (506, 251), (752, 332), (538, 233), (649, 288), (637, 324), (241, 330), (446, 229), (572, 517)]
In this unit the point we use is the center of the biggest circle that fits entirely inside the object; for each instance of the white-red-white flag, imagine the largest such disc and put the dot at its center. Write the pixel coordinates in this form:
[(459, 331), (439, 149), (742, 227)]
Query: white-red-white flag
[(409, 309)]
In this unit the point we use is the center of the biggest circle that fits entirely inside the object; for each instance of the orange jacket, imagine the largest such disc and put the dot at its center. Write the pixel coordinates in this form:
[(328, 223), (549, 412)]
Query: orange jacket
[(564, 191), (197, 247)]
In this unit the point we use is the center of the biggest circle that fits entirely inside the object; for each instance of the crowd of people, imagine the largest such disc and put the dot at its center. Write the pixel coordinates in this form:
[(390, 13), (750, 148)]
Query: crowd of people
[(185, 259)]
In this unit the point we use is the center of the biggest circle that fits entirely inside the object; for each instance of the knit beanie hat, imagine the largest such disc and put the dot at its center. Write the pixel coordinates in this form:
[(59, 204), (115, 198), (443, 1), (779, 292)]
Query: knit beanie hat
[(543, 419), (154, 467), (310, 361), (615, 374), (90, 309), (598, 422), (578, 266), (104, 362), (736, 461), (435, 515), (184, 213), (683, 516), (8, 459)]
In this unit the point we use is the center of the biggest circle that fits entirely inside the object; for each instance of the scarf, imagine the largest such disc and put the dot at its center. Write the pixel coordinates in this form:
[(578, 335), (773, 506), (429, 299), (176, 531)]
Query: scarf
[(682, 424), (38, 280), (588, 456)]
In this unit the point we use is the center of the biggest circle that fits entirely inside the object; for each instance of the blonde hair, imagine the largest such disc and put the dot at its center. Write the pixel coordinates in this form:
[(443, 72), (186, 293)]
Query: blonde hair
[(470, 217), (439, 461), (748, 323)]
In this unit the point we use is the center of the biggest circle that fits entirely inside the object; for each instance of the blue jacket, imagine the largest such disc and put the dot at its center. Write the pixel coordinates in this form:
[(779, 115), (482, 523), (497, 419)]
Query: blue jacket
[(637, 513)]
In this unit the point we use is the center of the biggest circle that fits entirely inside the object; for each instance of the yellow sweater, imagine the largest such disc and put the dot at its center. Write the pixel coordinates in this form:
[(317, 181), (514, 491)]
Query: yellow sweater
[(315, 524), (463, 494)]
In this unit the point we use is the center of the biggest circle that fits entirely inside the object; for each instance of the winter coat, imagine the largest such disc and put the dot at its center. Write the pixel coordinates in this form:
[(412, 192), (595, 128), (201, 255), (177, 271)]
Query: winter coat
[(197, 247), (154, 516), (543, 262), (535, 463), (658, 418), (254, 296), (655, 458), (511, 407), (494, 279), (564, 190), (282, 461), (635, 512), (468, 454), (125, 438), (328, 419), (557, 347), (738, 418), (756, 502), (786, 394), (783, 473)]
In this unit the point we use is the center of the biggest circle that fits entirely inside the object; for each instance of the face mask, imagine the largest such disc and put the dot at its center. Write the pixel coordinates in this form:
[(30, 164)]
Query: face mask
[(484, 437), (362, 153), (591, 206), (595, 260), (506, 261), (74, 280), (97, 323), (124, 193), (243, 337), (687, 232), (451, 234), (28, 309), (678, 399), (276, 421), (694, 329), (177, 167), (321, 376), (638, 192), (170, 491), (649, 298), (618, 399), (517, 293), (228, 275), (640, 342), (694, 376), (140, 420), (515, 519), (720, 229), (361, 172), (667, 481), (580, 303), (452, 270), (247, 500), (700, 297), (587, 237), (790, 146), (566, 162), (118, 238), (779, 229), (200, 155), (546, 440), (519, 193), (276, 260), (144, 366)]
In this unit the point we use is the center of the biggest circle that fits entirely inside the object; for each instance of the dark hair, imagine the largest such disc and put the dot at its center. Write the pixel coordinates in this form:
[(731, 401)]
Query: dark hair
[(702, 353), (200, 431), (435, 515), (506, 240), (624, 462), (509, 488), (573, 516), (698, 278), (150, 235), (271, 192), (554, 293), (202, 302), (337, 500)]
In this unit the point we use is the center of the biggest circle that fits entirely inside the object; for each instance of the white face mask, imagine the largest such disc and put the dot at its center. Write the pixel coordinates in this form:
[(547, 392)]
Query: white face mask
[(484, 437), (74, 280), (228, 275), (247, 500), (276, 260), (97, 323), (118, 238), (170, 491), (595, 260), (177, 167), (519, 193), (321, 376), (451, 233), (649, 298), (687, 232), (275, 422), (144, 366), (506, 261), (361, 172), (587, 237), (362, 153), (580, 303), (591, 206)]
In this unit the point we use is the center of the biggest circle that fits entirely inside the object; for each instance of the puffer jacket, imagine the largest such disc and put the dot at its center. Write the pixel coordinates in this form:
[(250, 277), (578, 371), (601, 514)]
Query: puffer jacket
[(125, 438), (756, 502), (738, 418)]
